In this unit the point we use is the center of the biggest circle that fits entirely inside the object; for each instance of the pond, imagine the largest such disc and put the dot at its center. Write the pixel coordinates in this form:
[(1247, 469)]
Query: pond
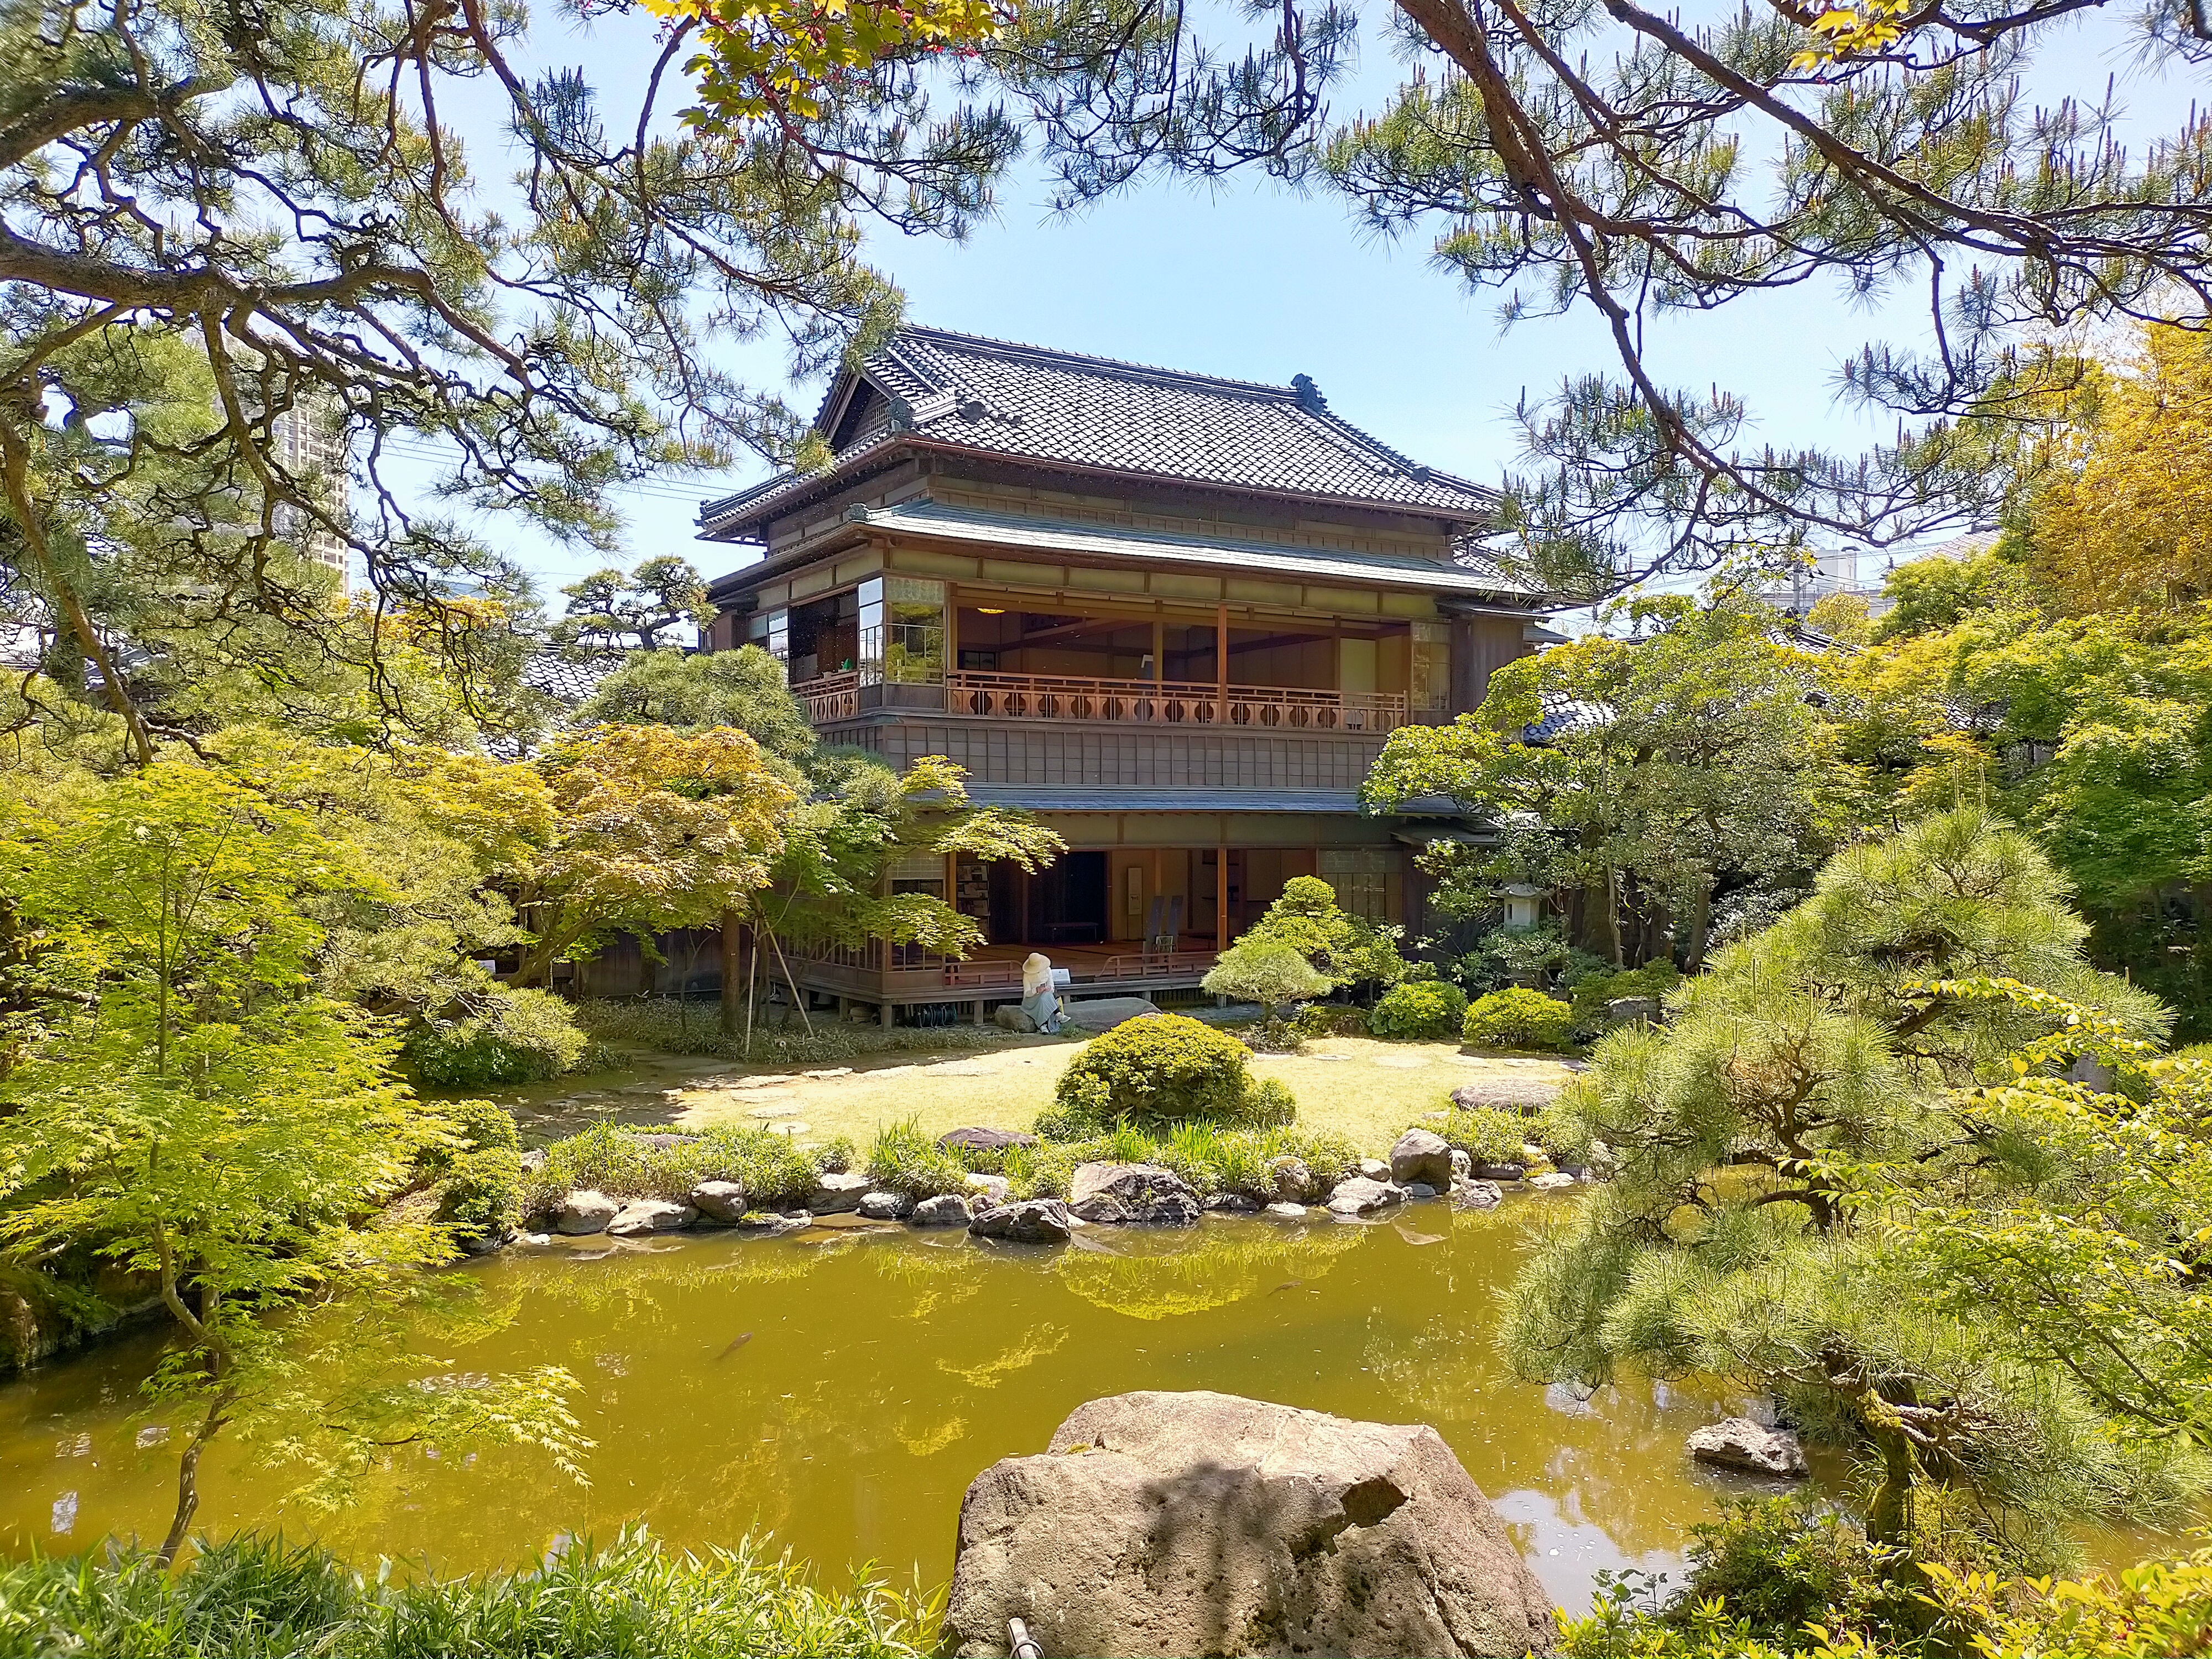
[(844, 1385)]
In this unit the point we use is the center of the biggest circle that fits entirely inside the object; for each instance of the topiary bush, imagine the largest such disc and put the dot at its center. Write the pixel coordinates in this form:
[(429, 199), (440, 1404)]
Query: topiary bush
[(1422, 1008), (1269, 974), (478, 1186), (1518, 1018), (504, 1036), (1593, 991), (1157, 1071)]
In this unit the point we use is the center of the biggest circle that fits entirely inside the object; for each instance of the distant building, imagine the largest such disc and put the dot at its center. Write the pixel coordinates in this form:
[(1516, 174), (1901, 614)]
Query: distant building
[(309, 441), (1174, 616), (1806, 586)]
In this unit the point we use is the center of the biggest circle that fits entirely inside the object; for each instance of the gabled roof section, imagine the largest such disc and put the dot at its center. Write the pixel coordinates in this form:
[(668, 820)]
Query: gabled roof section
[(1028, 404)]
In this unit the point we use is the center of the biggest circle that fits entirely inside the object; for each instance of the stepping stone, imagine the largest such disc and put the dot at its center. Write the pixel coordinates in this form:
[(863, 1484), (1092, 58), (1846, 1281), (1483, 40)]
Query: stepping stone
[(794, 1129), (773, 1111), (829, 1072), (1402, 1062)]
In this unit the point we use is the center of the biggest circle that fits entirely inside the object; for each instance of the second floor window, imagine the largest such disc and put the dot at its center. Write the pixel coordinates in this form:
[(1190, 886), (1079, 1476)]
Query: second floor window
[(902, 631)]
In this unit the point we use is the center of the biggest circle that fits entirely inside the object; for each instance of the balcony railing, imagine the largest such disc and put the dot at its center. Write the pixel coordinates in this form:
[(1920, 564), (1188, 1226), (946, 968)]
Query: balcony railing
[(832, 697), (1169, 702), (909, 972)]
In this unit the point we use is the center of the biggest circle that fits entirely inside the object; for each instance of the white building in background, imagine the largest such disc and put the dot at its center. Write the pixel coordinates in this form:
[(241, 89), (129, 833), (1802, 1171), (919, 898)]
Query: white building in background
[(1807, 584), (308, 439)]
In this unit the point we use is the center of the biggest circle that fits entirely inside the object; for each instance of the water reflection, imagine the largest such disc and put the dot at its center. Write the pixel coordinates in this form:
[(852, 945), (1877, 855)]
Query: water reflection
[(843, 1388)]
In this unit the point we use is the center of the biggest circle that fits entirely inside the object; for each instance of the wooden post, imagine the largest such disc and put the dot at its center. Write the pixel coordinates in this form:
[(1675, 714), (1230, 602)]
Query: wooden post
[(1221, 670), (1160, 650), (1221, 896)]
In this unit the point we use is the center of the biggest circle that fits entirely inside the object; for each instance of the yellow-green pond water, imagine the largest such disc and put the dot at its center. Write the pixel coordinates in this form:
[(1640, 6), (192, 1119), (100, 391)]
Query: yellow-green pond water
[(842, 1386)]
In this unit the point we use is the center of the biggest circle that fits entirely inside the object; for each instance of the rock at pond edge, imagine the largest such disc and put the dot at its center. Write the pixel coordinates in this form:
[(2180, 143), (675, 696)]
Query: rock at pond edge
[(585, 1212), (1138, 1195), (837, 1194), (1206, 1523), (1032, 1221), (1421, 1155), (1737, 1443), (945, 1210), (978, 1140), (722, 1201)]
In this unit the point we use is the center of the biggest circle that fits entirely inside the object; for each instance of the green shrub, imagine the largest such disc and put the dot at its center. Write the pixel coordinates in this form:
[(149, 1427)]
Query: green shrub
[(904, 1159), (250, 1597), (1419, 1008), (504, 1036), (1487, 1134), (1210, 1158), (1518, 1018), (1593, 991), (1269, 973), (1324, 1019), (1155, 1071), (623, 1162), (479, 1185)]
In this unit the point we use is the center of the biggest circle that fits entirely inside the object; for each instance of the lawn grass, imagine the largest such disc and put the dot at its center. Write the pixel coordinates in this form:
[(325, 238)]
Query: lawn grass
[(1362, 1088)]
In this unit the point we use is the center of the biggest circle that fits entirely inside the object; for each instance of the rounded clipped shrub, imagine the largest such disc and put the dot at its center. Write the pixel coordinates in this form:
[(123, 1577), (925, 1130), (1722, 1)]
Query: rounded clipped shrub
[(511, 1036), (1518, 1018), (479, 1183), (1429, 1008), (1155, 1070)]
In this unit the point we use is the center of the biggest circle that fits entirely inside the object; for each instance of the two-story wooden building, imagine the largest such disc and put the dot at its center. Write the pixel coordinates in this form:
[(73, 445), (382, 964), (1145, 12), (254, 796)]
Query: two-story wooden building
[(1176, 617)]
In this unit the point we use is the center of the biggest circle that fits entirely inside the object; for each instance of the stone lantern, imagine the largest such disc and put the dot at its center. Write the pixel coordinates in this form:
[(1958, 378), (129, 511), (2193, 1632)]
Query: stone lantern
[(1521, 903)]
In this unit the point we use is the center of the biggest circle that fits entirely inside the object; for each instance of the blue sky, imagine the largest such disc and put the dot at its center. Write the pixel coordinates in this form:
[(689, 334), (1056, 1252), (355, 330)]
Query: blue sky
[(1249, 280)]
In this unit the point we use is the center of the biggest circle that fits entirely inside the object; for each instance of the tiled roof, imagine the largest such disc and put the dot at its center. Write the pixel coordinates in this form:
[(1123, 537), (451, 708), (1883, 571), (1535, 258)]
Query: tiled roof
[(1058, 798), (1476, 577), (569, 677), (1030, 404)]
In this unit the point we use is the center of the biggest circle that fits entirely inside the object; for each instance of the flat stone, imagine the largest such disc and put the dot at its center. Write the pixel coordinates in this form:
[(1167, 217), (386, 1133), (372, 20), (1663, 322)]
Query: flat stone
[(645, 1216), (720, 1200), (1497, 1171), (983, 1140), (1423, 1156), (1550, 1183), (1032, 1221), (766, 1113), (1512, 1093), (1231, 1204), (1476, 1195), (884, 1207), (585, 1212), (828, 1072), (834, 1193), (1287, 1212), (769, 1224), (1137, 1194), (992, 1190), (1104, 1014), (1738, 1442), (1419, 1190), (946, 1210), (1203, 1523), (1374, 1168), (794, 1129), (1363, 1196)]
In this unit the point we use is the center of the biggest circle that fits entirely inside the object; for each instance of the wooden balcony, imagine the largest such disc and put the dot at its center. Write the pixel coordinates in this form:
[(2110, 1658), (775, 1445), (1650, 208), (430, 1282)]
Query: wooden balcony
[(832, 697), (1168, 703)]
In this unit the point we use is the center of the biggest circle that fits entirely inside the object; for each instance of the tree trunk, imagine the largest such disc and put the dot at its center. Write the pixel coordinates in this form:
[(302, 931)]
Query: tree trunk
[(1889, 1513), (1613, 915), (734, 995), (1701, 924), (188, 1476)]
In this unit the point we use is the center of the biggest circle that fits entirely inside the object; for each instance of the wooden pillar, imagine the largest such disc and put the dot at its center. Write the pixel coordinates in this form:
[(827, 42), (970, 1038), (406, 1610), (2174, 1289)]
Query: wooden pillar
[(1221, 896), (1221, 668), (951, 628), (889, 1014), (1160, 650)]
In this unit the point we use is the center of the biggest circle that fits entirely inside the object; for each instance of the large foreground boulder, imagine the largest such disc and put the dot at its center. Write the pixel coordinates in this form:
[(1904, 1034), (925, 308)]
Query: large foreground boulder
[(1137, 1194), (1032, 1221), (1203, 1523)]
